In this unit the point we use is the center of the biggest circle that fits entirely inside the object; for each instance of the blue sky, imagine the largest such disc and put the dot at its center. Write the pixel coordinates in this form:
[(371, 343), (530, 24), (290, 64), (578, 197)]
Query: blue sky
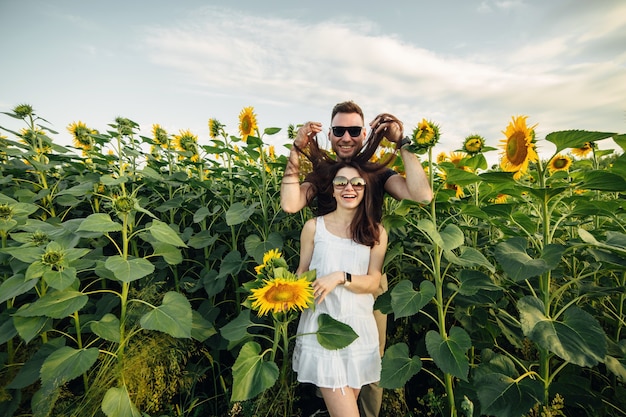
[(469, 66)]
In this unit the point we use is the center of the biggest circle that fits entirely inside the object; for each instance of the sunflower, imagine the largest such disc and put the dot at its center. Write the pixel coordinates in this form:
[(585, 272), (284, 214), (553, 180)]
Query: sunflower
[(23, 110), (583, 150), (473, 144), (559, 163), (282, 294), (500, 199), (215, 127), (82, 136), (247, 123), (426, 134), (187, 142), (160, 136), (268, 257), (519, 147), (442, 157)]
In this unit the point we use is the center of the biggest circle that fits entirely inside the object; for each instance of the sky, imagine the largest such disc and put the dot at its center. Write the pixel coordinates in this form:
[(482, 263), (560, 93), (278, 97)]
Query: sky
[(468, 66)]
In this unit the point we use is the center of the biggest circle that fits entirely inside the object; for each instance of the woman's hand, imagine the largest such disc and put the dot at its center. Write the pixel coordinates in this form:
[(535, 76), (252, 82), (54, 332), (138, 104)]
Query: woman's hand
[(322, 286)]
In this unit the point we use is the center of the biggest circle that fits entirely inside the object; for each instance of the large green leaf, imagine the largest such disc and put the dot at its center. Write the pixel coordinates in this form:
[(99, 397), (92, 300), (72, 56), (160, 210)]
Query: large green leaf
[(128, 270), (173, 317), (468, 257), (398, 367), (461, 177), (60, 280), (251, 374), (201, 328), (333, 334), (30, 371), (67, 363), (503, 396), (55, 304), (30, 327), (238, 213), (256, 248), (163, 233), (473, 281), (237, 330), (451, 237), (24, 254), (575, 138), (518, 265), (231, 264), (603, 181), (406, 302), (450, 354), (578, 338), (171, 254), (99, 222), (14, 286), (7, 329), (117, 403), (108, 328)]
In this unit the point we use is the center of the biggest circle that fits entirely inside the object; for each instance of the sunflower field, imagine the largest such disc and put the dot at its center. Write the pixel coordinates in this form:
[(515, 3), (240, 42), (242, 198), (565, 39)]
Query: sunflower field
[(153, 275)]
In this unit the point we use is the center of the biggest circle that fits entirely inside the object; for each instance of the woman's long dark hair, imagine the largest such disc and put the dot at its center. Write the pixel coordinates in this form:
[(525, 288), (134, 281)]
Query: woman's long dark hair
[(320, 197), (364, 227)]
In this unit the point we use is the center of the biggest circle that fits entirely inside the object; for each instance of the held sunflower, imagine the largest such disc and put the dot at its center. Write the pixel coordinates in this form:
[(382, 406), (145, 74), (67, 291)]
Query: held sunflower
[(247, 123), (281, 295), (519, 147)]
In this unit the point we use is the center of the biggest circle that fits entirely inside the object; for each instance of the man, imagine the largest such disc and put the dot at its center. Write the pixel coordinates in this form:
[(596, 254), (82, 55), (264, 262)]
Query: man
[(347, 134)]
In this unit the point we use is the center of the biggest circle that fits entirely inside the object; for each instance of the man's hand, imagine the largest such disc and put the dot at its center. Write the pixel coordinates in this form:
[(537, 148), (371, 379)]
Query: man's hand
[(389, 125), (306, 132)]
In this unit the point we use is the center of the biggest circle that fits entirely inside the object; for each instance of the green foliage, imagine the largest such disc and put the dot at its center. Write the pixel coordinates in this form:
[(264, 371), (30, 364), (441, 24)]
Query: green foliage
[(124, 273)]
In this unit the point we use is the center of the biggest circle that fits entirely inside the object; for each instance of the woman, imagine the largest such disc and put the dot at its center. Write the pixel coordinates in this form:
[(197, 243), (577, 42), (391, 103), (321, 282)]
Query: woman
[(346, 247)]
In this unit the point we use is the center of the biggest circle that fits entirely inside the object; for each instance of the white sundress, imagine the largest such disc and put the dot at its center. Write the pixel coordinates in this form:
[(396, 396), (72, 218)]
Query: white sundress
[(359, 363)]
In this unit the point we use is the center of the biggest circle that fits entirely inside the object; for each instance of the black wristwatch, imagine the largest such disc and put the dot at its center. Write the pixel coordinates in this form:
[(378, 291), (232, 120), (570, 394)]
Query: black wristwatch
[(405, 141)]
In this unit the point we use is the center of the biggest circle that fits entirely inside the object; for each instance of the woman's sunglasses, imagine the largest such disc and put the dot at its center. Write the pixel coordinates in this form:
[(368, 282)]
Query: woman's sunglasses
[(354, 131), (357, 182)]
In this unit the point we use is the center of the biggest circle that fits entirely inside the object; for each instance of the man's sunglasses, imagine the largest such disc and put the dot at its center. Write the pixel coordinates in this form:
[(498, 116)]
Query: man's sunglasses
[(354, 131), (357, 182)]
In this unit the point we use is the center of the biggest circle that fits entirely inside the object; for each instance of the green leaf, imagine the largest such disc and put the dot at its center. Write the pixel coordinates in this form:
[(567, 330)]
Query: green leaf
[(14, 286), (30, 327), (202, 240), (461, 177), (231, 264), (333, 334), (473, 281), (578, 339), (237, 330), (171, 254), (450, 238), (108, 328), (238, 213), (518, 265), (501, 395), (251, 374), (575, 138), (99, 222), (271, 130), (173, 317), (398, 367), (449, 354), (117, 403), (163, 233), (201, 328), (603, 181), (55, 304), (60, 280), (406, 302), (30, 371), (469, 257), (67, 363), (27, 255), (256, 248), (128, 270), (201, 214)]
